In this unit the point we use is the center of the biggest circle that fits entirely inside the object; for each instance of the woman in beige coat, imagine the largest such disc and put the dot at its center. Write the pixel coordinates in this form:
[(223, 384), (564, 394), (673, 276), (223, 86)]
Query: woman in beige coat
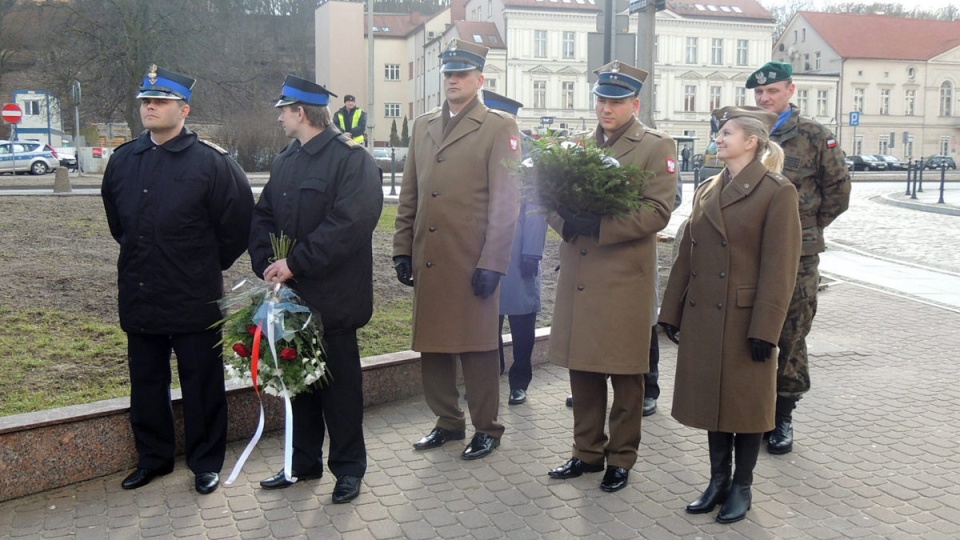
[(728, 294)]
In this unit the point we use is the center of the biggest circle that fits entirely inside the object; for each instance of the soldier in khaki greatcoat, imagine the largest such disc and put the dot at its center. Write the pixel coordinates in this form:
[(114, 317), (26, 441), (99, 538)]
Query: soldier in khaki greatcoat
[(813, 161), (454, 231), (728, 294), (606, 289)]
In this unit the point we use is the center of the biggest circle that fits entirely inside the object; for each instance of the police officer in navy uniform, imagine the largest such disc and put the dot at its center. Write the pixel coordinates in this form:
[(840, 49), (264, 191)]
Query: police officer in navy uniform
[(324, 192), (180, 209)]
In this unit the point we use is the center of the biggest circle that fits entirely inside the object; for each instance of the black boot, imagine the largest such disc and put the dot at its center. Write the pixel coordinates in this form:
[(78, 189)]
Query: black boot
[(781, 439), (746, 448), (721, 459)]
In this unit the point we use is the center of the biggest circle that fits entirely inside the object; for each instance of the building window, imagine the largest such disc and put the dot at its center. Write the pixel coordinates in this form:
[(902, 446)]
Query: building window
[(539, 94), (816, 61), (946, 99), (391, 110), (569, 51), (392, 72), (884, 101), (690, 98), (741, 52), (944, 145), (568, 94), (31, 107), (716, 52), (884, 146), (908, 147), (821, 103), (741, 96), (490, 84), (540, 43), (858, 145), (858, 101), (909, 102), (714, 97), (806, 61), (656, 49), (691, 50), (802, 101), (803, 34)]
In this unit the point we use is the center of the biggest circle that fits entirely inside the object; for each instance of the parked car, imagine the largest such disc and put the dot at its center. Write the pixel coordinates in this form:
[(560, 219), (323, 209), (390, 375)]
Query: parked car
[(867, 163), (384, 158), (893, 164), (68, 157), (848, 161), (935, 162), (27, 156)]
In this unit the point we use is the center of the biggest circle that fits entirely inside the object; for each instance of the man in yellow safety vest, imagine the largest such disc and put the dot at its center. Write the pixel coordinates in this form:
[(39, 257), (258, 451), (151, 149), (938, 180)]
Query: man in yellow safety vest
[(351, 119)]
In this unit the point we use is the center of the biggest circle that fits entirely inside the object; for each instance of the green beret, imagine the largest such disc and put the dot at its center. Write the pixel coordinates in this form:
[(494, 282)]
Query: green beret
[(720, 116), (770, 73)]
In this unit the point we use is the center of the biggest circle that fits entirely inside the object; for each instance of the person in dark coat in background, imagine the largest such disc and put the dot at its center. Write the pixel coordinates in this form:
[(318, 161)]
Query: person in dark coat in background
[(728, 294), (180, 209), (520, 287), (324, 192)]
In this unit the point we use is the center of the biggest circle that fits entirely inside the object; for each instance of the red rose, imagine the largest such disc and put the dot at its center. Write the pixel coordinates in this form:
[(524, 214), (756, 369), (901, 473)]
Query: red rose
[(241, 350), (252, 329), (288, 354)]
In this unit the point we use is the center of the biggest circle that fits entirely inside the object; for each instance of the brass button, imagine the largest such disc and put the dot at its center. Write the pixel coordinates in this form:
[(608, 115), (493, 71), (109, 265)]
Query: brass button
[(583, 252), (439, 159), (433, 229), (580, 287), (435, 194), (723, 275), (719, 305), (429, 265), (723, 243)]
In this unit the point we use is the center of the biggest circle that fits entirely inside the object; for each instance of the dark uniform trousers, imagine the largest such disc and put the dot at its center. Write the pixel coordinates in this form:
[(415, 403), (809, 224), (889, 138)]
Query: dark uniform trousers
[(651, 379), (482, 381), (200, 367), (339, 404), (590, 443), (523, 331)]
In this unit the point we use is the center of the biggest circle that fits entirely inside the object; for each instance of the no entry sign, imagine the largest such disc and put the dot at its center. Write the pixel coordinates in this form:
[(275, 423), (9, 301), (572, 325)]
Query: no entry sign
[(12, 113)]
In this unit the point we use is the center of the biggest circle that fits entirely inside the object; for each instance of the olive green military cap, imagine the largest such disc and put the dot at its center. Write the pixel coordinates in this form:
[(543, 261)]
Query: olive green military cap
[(771, 72)]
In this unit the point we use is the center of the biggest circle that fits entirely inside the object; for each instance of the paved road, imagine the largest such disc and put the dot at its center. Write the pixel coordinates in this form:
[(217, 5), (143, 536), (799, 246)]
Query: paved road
[(876, 453)]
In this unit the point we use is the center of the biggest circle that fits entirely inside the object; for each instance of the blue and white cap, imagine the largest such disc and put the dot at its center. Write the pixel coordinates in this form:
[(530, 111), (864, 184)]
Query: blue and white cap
[(463, 56), (297, 90), (617, 80), (494, 100), (160, 83)]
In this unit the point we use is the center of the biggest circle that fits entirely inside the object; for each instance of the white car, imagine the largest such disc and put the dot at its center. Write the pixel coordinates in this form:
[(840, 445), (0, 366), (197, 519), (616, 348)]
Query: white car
[(27, 156)]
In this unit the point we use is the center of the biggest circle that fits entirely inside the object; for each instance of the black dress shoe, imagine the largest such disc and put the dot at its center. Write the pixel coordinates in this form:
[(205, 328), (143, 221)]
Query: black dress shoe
[(517, 396), (141, 477), (346, 490), (480, 446), (277, 481), (570, 401), (615, 479), (207, 482), (438, 437), (573, 468), (649, 406)]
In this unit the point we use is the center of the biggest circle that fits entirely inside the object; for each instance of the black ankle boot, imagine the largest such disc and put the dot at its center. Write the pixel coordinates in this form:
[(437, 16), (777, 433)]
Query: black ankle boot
[(746, 449), (721, 458), (781, 439)]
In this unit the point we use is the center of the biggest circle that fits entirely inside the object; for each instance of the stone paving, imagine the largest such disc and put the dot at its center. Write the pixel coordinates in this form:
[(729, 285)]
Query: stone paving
[(876, 452)]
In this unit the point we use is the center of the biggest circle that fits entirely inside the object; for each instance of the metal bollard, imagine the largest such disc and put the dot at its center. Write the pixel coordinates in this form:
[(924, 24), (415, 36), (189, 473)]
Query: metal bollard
[(696, 178), (909, 177), (943, 180), (393, 171), (920, 178)]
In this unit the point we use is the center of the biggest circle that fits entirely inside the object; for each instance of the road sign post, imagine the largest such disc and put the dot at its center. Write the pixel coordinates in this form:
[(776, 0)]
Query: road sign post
[(12, 114)]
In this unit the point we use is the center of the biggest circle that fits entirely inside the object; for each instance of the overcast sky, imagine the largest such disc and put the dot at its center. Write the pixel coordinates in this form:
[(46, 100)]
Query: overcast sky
[(908, 4)]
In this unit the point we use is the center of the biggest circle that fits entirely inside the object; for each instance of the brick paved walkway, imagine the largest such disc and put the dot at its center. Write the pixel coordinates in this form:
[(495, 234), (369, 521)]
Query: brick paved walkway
[(876, 457)]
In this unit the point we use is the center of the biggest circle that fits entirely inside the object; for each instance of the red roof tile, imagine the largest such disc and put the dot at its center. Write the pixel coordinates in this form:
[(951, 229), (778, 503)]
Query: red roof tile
[(573, 5), (883, 36), (486, 30), (720, 9), (394, 24)]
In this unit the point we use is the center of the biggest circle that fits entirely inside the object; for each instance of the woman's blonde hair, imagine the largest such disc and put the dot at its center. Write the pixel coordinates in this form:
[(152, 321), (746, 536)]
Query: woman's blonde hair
[(769, 152)]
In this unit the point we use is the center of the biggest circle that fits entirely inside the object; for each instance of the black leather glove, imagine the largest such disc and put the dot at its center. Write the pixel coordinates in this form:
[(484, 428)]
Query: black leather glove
[(529, 266), (584, 223), (484, 282), (760, 349), (672, 332), (403, 264)]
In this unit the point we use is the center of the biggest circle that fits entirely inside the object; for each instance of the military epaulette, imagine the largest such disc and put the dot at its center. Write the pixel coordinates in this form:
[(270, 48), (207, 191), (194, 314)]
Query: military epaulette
[(220, 150), (656, 132), (500, 113), (349, 141)]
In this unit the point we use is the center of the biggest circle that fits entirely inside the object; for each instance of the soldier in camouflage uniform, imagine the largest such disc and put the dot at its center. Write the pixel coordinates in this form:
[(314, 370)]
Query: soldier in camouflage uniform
[(814, 163)]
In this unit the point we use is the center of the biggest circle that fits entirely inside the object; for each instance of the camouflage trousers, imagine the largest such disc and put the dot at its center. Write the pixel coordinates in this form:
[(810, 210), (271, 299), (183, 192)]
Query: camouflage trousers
[(793, 373)]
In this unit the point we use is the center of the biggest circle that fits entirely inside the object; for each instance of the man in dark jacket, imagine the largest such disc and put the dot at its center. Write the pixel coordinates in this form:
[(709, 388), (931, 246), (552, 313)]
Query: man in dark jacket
[(325, 193), (180, 209)]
